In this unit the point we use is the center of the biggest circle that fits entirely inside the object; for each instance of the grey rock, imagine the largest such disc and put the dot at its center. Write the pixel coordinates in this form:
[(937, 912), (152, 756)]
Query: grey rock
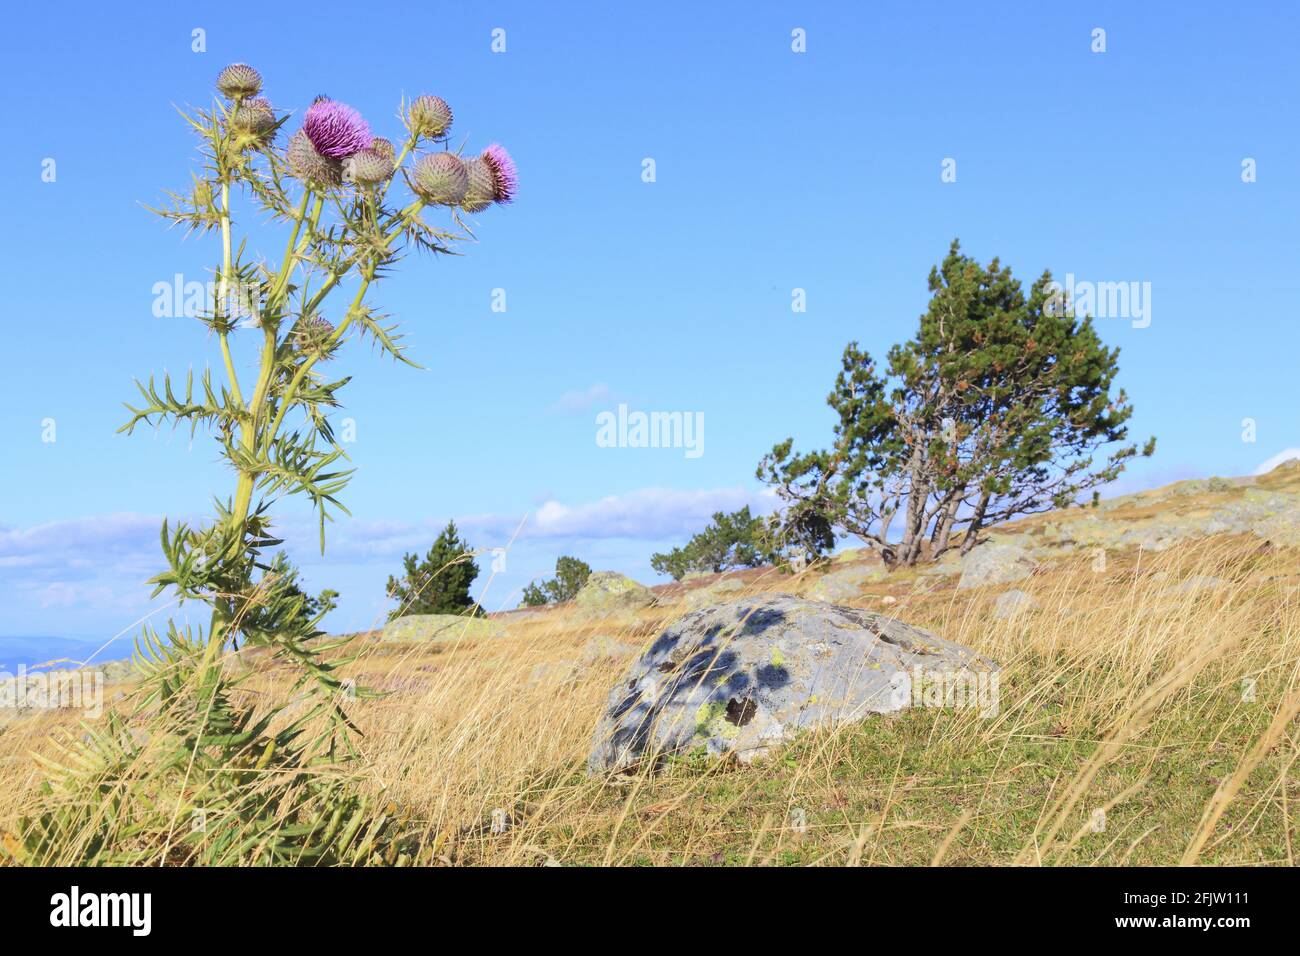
[(1194, 584), (116, 670), (603, 646), (610, 593), (1013, 603), (746, 675), (440, 628), (1267, 514), (846, 584), (995, 562), (713, 593), (38, 690)]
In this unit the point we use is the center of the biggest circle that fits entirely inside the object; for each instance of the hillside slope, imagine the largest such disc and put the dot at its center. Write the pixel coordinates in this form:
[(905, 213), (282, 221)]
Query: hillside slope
[(1146, 712)]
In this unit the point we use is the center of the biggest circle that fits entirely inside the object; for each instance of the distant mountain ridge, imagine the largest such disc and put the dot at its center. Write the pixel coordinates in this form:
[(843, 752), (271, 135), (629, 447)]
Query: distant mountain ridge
[(60, 652)]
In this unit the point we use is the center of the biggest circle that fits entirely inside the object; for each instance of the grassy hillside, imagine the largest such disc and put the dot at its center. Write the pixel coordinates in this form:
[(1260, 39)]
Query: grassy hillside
[(1146, 717)]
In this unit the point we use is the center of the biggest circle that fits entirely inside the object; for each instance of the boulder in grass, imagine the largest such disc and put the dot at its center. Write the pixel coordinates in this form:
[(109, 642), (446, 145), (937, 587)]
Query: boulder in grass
[(744, 676), (1013, 603), (846, 584), (995, 562), (713, 593), (439, 628), (610, 593)]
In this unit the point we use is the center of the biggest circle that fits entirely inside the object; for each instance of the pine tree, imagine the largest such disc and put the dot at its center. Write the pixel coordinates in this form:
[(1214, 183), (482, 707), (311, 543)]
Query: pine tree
[(732, 540), (570, 575), (995, 408), (440, 583)]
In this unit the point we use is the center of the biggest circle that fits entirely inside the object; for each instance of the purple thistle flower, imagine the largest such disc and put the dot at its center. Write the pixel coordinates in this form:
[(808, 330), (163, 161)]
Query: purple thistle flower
[(335, 129), (505, 178)]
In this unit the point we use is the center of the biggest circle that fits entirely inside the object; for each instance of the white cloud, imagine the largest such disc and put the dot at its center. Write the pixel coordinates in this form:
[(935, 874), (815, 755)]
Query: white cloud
[(578, 401), (84, 545), (86, 575), (648, 514), (1290, 454)]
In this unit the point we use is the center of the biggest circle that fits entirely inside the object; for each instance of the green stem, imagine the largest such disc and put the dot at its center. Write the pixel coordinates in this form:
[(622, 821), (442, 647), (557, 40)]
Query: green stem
[(401, 158), (248, 427), (293, 249), (292, 390), (258, 444), (336, 336), (223, 298)]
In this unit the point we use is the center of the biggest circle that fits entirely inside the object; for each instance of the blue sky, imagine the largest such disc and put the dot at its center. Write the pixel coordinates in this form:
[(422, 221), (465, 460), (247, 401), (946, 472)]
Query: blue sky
[(775, 170)]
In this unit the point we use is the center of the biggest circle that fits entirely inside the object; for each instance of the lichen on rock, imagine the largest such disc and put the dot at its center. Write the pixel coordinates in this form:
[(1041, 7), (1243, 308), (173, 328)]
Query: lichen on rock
[(746, 675)]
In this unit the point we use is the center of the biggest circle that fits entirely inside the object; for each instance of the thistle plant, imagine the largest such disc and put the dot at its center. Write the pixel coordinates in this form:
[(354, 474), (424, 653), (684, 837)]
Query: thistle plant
[(270, 783)]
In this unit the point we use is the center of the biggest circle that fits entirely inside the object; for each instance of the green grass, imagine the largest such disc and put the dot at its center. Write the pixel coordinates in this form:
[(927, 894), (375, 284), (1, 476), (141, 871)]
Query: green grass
[(891, 790)]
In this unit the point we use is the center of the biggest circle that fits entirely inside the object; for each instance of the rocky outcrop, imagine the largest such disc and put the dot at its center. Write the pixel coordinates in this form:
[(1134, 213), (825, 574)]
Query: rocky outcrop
[(713, 593), (744, 676), (1267, 507), (81, 689), (846, 583), (610, 593), (440, 628), (995, 562)]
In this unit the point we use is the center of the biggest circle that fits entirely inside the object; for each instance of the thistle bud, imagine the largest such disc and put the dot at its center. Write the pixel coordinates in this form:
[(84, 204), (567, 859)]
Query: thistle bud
[(428, 116), (367, 166), (312, 335), (481, 188), (384, 148), (254, 116), (440, 178), (238, 81), (310, 166)]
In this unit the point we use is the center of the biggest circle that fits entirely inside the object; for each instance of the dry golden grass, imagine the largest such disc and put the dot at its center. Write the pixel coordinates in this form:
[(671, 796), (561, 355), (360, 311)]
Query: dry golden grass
[(1124, 735)]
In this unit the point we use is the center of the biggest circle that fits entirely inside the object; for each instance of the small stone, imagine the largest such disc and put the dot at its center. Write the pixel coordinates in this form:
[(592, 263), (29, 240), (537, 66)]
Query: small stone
[(1013, 603)]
